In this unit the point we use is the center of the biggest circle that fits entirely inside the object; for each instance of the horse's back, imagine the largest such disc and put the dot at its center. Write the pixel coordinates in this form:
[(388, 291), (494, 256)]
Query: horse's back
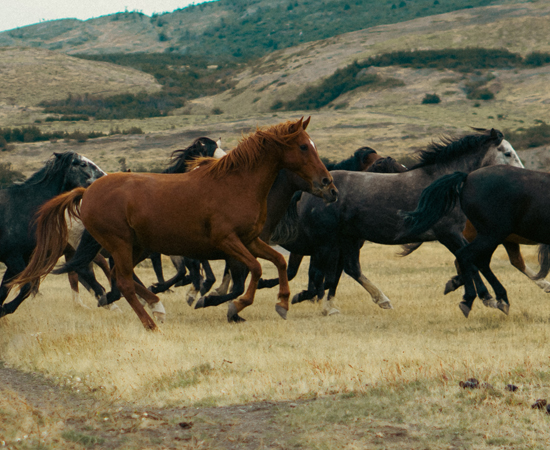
[(505, 196)]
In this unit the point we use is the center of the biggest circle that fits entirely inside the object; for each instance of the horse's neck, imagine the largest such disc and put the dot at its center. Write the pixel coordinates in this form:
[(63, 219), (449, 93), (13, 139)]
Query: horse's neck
[(467, 164), (278, 199), (260, 179)]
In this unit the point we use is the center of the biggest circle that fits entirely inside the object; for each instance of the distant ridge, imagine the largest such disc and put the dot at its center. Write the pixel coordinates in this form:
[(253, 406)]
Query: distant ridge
[(233, 29)]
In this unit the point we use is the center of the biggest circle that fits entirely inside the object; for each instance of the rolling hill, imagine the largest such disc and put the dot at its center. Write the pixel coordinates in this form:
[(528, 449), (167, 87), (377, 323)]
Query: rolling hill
[(389, 117), (227, 29)]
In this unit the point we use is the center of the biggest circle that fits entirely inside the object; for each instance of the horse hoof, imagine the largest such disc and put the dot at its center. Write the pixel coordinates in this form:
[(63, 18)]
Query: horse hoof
[(450, 286), (236, 319), (103, 301), (490, 302), (190, 300), (296, 299), (385, 305), (281, 311), (465, 309), (504, 307), (231, 311), (333, 311), (161, 317), (200, 303)]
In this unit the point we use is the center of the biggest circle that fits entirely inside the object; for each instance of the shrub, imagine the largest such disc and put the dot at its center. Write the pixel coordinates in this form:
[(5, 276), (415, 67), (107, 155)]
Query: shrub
[(481, 93), (9, 176), (431, 99), (523, 138)]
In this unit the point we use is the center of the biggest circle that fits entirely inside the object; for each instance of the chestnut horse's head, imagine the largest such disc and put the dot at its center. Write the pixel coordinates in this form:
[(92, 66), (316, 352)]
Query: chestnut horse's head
[(301, 157)]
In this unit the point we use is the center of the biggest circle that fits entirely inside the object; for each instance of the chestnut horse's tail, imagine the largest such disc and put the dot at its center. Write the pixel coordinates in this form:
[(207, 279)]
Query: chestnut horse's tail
[(51, 236)]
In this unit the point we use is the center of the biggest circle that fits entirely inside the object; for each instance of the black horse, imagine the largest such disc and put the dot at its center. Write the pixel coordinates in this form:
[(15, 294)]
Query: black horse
[(499, 201), (327, 261), (18, 206), (368, 206)]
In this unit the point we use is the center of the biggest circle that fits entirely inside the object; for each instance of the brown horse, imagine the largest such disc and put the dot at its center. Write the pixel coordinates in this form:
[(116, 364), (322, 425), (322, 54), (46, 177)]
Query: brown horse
[(130, 214)]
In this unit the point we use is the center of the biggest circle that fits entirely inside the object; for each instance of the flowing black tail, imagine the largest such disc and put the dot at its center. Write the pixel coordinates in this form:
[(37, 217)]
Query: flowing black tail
[(437, 200), (85, 253)]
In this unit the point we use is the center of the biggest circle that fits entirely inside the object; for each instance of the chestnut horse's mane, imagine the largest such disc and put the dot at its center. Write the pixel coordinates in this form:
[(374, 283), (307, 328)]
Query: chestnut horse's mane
[(248, 152)]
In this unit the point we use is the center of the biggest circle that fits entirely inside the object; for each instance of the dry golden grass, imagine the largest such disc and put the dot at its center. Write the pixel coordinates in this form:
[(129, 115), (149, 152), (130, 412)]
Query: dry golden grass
[(399, 366)]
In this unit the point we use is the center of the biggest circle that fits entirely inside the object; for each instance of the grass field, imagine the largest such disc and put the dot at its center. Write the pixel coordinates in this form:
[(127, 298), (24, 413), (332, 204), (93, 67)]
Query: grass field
[(380, 378)]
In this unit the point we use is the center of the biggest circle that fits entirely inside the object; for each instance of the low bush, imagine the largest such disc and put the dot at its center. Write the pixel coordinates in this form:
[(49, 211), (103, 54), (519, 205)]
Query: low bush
[(431, 99), (530, 137)]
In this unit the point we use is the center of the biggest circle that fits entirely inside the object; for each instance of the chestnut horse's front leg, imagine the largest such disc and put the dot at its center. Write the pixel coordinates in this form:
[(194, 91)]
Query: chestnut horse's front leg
[(261, 250)]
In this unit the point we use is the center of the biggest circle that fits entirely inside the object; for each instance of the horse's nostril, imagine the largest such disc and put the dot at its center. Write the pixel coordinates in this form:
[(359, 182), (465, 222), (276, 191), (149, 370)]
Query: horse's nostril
[(333, 192)]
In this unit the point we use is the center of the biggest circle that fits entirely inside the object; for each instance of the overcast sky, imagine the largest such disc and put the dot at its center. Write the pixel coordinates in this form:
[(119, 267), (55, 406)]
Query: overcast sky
[(19, 13)]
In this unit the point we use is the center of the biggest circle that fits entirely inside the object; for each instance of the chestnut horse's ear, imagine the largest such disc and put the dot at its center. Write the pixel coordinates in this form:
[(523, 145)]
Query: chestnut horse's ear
[(296, 126), (306, 122)]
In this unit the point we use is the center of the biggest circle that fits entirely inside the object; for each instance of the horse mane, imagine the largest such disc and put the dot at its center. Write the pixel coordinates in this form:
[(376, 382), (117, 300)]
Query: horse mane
[(248, 152), (450, 148), (180, 159), (54, 166), (386, 165), (351, 162)]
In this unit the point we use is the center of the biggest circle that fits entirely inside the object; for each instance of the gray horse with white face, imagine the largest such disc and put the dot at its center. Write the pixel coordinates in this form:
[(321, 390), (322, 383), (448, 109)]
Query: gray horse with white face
[(369, 204)]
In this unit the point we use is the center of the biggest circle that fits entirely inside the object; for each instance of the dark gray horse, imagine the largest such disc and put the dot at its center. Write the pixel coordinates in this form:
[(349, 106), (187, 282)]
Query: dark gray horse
[(18, 206), (326, 260), (369, 204)]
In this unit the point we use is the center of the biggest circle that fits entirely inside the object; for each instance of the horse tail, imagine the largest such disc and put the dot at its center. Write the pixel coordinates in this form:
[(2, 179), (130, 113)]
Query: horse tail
[(87, 250), (51, 236), (544, 261), (287, 228), (437, 200)]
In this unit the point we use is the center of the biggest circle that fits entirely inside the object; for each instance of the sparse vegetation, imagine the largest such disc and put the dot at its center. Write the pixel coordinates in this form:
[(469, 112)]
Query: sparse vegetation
[(34, 134), (431, 99), (529, 137), (356, 74), (8, 176)]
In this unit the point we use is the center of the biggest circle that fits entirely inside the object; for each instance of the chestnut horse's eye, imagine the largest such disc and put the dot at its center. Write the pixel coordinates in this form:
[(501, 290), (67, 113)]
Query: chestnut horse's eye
[(303, 147)]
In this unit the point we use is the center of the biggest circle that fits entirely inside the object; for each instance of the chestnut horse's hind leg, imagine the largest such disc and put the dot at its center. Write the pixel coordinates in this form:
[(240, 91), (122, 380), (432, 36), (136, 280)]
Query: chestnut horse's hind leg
[(125, 282), (516, 259)]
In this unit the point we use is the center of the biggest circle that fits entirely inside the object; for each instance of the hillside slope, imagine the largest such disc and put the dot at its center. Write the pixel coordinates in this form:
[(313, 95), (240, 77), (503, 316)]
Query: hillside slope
[(226, 28), (280, 76), (29, 76)]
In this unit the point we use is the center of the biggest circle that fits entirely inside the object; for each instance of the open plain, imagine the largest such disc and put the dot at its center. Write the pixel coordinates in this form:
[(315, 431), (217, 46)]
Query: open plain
[(367, 378)]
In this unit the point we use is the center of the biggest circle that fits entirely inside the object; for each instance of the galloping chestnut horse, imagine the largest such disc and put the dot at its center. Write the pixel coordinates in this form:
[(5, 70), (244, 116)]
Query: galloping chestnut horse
[(131, 213)]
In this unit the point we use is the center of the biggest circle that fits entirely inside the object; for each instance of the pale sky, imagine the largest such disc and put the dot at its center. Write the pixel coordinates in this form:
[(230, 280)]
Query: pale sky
[(19, 13)]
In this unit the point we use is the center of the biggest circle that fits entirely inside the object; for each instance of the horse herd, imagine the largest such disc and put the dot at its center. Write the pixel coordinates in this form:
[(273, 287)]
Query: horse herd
[(272, 188)]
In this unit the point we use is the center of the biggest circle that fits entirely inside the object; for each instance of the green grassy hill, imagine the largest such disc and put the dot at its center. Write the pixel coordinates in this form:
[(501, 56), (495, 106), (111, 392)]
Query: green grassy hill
[(229, 98), (227, 29)]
